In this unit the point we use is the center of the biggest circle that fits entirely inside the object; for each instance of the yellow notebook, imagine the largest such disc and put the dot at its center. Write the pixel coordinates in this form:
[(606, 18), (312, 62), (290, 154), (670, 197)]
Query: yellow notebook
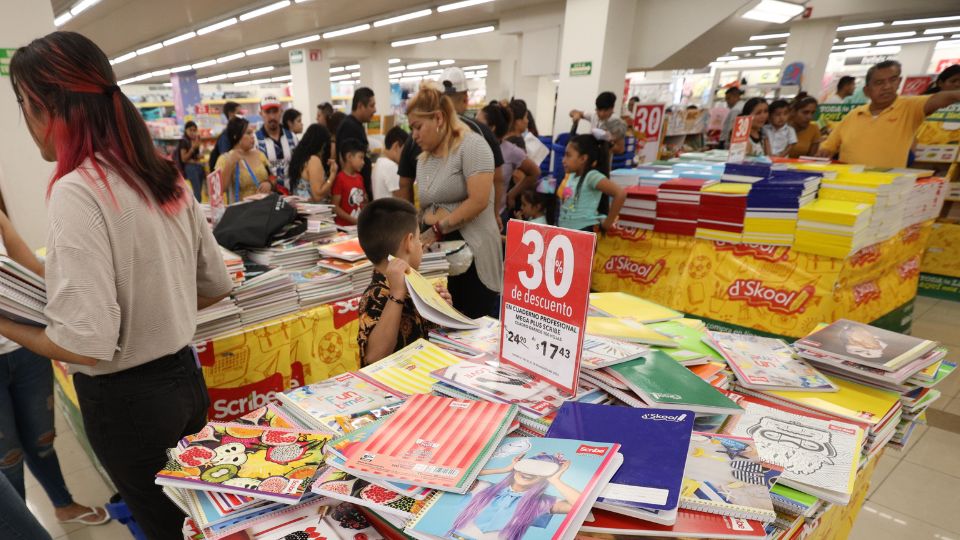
[(768, 225), (841, 194), (836, 212), (623, 305), (627, 330), (851, 400), (407, 371), (727, 188), (866, 180)]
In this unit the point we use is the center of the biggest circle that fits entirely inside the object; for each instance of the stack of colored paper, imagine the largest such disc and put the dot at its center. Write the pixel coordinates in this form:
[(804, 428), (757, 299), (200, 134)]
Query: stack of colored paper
[(678, 205), (772, 207), (925, 200), (886, 192), (833, 228), (723, 208), (640, 208)]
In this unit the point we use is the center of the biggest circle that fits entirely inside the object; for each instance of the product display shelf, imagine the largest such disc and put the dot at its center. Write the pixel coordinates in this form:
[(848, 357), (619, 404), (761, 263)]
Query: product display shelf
[(940, 269)]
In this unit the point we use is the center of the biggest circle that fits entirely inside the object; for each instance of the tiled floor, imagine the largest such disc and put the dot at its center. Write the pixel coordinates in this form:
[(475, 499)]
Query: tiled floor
[(911, 496)]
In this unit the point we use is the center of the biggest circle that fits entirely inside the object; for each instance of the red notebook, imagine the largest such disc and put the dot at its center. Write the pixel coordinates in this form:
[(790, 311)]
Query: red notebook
[(690, 524)]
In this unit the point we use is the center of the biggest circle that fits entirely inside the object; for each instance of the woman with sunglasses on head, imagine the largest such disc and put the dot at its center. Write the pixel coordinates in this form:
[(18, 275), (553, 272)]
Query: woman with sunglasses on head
[(130, 260)]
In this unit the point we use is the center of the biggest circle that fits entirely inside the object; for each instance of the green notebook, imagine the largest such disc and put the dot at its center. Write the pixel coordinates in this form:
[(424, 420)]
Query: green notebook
[(661, 382), (688, 338)]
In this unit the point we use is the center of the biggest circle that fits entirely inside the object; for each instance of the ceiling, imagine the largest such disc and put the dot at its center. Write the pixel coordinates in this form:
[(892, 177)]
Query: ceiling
[(121, 26)]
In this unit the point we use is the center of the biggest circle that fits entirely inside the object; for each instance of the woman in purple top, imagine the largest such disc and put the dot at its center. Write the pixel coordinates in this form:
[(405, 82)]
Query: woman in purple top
[(520, 173)]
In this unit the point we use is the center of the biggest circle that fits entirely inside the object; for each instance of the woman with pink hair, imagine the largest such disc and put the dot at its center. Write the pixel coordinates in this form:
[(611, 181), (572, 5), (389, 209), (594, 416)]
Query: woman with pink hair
[(505, 510)]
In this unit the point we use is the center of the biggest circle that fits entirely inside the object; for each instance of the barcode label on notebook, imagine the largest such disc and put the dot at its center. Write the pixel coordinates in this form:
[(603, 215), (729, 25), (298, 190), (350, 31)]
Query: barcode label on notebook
[(439, 471)]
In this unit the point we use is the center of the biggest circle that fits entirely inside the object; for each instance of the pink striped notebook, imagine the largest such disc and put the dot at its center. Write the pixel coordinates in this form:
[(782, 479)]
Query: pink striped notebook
[(435, 442)]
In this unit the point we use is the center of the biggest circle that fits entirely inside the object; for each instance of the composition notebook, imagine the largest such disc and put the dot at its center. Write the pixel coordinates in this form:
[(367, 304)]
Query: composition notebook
[(565, 477), (407, 371), (865, 344), (654, 451), (661, 382), (434, 442), (762, 363), (724, 475)]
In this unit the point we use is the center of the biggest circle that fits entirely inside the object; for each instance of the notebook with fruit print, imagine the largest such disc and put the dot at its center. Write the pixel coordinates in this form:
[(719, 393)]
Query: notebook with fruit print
[(339, 485), (268, 463)]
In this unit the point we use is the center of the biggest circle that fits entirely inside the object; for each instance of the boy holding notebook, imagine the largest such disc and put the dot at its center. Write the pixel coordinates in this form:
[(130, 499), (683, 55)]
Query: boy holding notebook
[(388, 319)]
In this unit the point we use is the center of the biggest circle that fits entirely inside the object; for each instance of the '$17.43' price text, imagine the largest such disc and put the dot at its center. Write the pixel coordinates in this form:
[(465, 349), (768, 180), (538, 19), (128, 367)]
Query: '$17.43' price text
[(545, 347)]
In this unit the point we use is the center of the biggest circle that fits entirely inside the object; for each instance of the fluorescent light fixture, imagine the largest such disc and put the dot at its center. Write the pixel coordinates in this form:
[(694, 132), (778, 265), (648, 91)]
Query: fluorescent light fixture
[(773, 11), (447, 62), (346, 31), (413, 41), (282, 78), (261, 69), (410, 79), (202, 81), (82, 6), (394, 61), (206, 63), (941, 30), (142, 77), (355, 75), (863, 26), (749, 48), (160, 73), (63, 19), (235, 74), (230, 58), (471, 32), (217, 26), (470, 75), (352, 67), (340, 77), (178, 69), (461, 5), (125, 81), (178, 39), (217, 78), (771, 53), (149, 49), (762, 37), (265, 48), (727, 58), (871, 37), (474, 68), (394, 69), (436, 72), (921, 21), (415, 73), (948, 44), (874, 51), (401, 18), (300, 41), (849, 46), (910, 40), (124, 57), (337, 69), (168, 85), (264, 10), (259, 81), (422, 65)]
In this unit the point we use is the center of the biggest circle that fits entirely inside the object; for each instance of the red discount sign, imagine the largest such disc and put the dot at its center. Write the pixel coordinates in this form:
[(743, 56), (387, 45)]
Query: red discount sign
[(648, 129), (546, 294), (739, 139)]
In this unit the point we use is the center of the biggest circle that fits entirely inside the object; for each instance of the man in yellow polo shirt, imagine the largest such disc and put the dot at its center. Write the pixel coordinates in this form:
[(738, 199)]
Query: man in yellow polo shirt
[(880, 133)]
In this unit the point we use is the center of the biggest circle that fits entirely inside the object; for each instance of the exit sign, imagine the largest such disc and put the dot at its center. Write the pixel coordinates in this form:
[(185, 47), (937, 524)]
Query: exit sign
[(581, 69)]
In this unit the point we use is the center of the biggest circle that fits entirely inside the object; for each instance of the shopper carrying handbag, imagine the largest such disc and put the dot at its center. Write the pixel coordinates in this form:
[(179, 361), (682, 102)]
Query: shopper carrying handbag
[(130, 259)]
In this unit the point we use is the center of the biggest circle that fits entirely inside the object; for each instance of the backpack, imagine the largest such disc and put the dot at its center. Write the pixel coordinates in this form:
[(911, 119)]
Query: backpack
[(256, 224)]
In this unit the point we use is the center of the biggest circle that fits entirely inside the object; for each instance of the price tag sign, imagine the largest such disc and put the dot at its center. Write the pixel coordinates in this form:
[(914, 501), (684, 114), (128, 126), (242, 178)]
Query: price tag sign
[(648, 128), (546, 294), (739, 139)]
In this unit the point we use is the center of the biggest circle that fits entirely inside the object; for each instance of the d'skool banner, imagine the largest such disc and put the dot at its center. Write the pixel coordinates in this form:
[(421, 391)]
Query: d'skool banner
[(546, 291)]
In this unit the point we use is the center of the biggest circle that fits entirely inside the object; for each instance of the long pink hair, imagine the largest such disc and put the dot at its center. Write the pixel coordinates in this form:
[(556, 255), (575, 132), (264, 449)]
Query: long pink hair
[(532, 505), (67, 76)]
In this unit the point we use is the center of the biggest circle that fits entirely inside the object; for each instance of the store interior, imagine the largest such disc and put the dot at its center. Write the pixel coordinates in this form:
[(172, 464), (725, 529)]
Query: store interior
[(182, 61)]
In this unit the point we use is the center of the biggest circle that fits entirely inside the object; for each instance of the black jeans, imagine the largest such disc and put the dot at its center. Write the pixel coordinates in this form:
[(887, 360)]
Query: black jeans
[(132, 418), (471, 297)]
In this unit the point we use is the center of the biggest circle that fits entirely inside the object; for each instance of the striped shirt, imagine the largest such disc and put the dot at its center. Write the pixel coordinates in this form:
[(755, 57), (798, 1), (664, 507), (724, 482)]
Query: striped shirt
[(123, 277)]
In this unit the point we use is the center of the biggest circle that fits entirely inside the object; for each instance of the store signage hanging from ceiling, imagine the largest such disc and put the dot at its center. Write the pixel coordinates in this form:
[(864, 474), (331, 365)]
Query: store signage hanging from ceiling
[(581, 69), (5, 56)]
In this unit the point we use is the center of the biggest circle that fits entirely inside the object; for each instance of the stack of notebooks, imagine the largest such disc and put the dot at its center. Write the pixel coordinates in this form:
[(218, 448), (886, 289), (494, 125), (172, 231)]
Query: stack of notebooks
[(320, 286), (640, 208), (745, 173), (360, 272), (773, 204), (678, 205), (291, 256), (234, 264), (220, 319), (723, 208), (434, 265), (335, 404), (626, 178), (346, 250), (267, 296), (23, 294), (484, 340), (834, 228), (925, 201), (886, 193)]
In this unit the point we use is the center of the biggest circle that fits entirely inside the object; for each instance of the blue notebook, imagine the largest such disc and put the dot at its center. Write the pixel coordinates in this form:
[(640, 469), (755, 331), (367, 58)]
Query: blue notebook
[(654, 444)]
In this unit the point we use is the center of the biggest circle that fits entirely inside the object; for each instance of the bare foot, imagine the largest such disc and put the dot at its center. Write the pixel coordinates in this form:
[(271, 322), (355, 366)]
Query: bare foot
[(90, 515)]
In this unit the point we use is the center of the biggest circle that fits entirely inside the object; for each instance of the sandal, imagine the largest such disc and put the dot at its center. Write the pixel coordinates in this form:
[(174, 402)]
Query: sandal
[(94, 513)]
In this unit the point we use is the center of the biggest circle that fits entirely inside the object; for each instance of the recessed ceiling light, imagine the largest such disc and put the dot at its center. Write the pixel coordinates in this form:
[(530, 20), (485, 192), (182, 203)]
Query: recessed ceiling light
[(415, 73), (910, 40), (773, 11), (265, 48), (82, 6), (300, 41), (863, 26), (345, 31), (337, 69), (281, 78), (479, 66), (217, 26), (204, 64), (727, 58), (460, 5), (243, 73), (230, 58), (63, 19), (124, 57), (178, 39), (264, 10), (178, 69), (160, 73), (749, 48), (401, 18), (352, 67), (771, 53), (849, 46), (413, 41), (941, 30), (422, 65), (762, 37), (394, 69), (216, 78), (471, 32), (261, 69), (927, 20), (340, 77), (447, 62), (149, 49), (394, 61), (871, 37)]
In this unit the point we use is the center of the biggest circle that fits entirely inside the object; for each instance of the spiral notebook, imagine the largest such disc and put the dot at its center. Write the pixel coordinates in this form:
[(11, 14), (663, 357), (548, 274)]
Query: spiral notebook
[(724, 476), (22, 293)]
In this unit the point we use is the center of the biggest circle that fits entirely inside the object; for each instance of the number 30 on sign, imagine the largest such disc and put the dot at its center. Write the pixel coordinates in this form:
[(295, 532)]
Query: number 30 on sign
[(546, 292)]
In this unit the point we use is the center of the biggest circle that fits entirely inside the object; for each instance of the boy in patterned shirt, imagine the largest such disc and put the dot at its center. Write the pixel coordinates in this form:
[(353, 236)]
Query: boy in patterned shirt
[(388, 319)]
